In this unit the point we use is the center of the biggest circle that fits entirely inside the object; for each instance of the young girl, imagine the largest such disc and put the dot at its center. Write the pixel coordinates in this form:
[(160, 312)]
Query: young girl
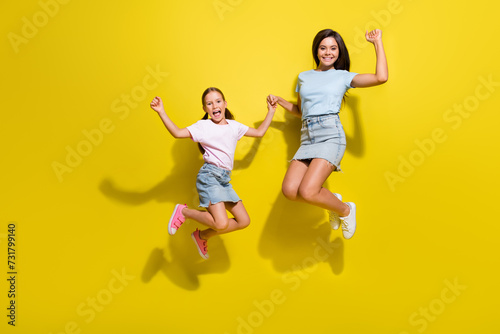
[(320, 94), (217, 134)]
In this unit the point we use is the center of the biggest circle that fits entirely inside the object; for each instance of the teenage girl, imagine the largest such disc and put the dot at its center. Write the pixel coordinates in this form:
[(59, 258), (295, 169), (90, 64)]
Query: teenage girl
[(320, 94), (217, 134)]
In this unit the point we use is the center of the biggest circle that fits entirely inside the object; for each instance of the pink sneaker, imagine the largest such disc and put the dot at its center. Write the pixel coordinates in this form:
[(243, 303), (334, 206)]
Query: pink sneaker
[(200, 243), (177, 219)]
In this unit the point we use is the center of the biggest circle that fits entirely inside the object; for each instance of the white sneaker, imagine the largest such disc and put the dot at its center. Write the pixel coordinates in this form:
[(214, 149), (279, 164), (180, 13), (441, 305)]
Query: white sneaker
[(334, 217), (349, 222)]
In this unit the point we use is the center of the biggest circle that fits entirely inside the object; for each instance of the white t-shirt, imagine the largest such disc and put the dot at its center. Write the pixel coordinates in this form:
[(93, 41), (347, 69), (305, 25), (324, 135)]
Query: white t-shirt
[(219, 141)]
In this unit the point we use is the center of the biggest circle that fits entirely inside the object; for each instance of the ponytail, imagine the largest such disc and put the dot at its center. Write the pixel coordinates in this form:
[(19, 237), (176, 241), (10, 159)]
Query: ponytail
[(202, 150)]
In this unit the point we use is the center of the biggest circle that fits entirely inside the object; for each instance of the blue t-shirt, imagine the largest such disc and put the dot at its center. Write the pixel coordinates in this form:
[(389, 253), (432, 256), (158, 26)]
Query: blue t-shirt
[(321, 92)]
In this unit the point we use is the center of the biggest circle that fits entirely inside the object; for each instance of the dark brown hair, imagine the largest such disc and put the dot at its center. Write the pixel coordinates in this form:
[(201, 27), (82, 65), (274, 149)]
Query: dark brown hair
[(227, 114), (343, 62)]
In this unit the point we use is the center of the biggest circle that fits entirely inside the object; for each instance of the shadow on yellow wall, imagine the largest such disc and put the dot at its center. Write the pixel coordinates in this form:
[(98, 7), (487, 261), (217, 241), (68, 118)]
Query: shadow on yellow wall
[(180, 266), (295, 235), (355, 139), (173, 189)]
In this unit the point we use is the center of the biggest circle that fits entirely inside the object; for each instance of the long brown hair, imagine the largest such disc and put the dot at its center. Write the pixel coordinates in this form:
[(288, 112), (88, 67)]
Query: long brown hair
[(343, 62), (227, 114)]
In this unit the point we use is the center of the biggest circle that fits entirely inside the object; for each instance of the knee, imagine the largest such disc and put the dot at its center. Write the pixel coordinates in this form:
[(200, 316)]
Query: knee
[(243, 223), (221, 225), (307, 193), (289, 192)]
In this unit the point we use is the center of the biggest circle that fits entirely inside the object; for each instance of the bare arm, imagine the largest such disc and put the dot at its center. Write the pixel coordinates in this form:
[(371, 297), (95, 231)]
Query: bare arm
[(381, 72), (262, 129), (175, 131), (294, 109)]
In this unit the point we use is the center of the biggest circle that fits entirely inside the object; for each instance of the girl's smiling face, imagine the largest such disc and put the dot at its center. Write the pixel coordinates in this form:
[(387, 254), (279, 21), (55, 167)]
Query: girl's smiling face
[(328, 53), (215, 106)]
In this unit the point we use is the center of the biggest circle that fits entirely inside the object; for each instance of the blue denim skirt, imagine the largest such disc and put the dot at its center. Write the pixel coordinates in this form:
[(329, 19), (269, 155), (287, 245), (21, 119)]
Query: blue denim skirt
[(213, 186), (322, 137)]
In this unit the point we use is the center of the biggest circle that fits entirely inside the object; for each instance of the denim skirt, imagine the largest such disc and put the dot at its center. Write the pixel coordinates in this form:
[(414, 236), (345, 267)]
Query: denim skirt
[(322, 137), (213, 186)]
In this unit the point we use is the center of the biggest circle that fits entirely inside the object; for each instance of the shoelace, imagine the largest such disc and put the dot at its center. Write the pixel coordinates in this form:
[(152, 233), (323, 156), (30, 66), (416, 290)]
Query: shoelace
[(333, 216), (345, 225)]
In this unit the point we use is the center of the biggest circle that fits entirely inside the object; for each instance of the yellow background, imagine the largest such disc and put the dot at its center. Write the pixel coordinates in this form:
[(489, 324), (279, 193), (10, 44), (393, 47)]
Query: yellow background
[(93, 253)]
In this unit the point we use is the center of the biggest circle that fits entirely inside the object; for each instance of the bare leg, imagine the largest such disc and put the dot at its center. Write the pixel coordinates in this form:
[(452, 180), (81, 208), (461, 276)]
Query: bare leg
[(304, 182), (293, 178), (215, 217), (217, 220), (240, 221)]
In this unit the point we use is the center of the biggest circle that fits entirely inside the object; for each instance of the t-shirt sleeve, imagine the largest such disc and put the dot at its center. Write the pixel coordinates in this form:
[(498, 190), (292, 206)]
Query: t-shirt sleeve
[(241, 130), (197, 131), (348, 79)]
